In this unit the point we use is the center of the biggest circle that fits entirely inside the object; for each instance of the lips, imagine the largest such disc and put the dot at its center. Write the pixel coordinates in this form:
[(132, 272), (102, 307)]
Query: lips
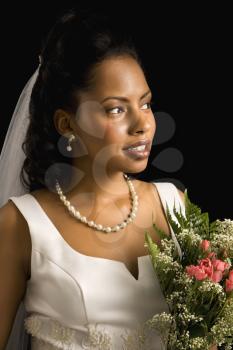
[(139, 143)]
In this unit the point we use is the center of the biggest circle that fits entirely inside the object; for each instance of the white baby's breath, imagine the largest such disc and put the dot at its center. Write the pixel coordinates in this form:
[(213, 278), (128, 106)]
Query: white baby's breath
[(201, 311)]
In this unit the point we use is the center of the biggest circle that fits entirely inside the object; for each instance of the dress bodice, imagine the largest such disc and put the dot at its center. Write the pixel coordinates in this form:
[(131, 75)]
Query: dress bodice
[(75, 301)]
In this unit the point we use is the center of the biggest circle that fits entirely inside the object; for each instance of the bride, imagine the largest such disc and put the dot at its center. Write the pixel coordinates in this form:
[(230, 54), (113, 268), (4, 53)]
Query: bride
[(72, 219)]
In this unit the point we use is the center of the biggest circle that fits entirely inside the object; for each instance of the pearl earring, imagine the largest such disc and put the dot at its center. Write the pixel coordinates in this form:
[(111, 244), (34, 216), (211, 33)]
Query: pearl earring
[(71, 138)]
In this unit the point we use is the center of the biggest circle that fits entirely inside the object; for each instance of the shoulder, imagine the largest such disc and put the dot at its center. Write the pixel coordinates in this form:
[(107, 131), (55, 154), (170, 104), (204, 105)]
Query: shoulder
[(44, 195), (9, 215), (14, 234), (150, 187), (11, 222)]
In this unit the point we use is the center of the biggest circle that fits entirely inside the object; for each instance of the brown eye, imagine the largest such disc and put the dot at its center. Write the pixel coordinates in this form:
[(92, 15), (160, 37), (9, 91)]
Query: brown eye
[(119, 109), (149, 104)]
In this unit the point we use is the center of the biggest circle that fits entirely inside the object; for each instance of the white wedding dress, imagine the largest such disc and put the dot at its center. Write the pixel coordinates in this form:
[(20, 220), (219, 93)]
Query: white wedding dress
[(74, 301)]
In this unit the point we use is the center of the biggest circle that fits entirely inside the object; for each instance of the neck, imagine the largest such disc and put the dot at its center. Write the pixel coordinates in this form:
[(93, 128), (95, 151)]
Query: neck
[(104, 186)]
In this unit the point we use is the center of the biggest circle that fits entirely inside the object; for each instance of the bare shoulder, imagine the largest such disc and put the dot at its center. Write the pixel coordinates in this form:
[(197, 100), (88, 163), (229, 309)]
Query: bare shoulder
[(14, 231), (44, 196), (139, 184), (146, 187), (9, 215), (39, 193), (148, 193)]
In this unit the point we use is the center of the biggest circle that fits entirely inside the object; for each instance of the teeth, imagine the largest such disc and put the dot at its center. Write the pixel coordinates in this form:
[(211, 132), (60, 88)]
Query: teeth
[(139, 148)]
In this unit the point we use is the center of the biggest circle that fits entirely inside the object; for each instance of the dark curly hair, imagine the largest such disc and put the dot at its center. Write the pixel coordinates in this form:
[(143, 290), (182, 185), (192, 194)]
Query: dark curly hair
[(72, 49)]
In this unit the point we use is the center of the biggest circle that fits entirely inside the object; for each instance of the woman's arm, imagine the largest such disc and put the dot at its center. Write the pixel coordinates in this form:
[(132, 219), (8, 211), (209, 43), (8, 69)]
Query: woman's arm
[(13, 274)]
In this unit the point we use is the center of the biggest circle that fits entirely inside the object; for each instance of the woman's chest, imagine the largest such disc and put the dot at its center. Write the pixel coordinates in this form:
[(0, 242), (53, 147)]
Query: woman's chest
[(123, 246)]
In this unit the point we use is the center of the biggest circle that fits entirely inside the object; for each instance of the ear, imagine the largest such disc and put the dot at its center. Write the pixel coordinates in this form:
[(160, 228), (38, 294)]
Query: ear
[(62, 121)]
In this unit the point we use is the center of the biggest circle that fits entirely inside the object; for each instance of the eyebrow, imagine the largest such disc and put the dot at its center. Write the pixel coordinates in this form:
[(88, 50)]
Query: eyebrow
[(121, 98)]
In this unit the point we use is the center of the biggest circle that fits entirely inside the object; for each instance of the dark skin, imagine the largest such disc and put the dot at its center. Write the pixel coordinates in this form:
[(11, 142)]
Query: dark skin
[(102, 194), (102, 133)]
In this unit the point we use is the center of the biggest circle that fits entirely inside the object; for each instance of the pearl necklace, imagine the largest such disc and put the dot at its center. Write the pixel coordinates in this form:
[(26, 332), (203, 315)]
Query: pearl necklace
[(106, 229)]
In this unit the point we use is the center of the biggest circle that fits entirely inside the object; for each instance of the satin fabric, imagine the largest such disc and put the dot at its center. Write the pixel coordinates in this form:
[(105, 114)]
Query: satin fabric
[(74, 301)]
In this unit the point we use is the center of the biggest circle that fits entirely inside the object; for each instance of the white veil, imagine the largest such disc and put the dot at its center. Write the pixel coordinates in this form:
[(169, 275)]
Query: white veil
[(11, 162)]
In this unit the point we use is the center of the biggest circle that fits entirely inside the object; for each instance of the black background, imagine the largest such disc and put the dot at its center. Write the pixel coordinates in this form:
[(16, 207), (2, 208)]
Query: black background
[(187, 50)]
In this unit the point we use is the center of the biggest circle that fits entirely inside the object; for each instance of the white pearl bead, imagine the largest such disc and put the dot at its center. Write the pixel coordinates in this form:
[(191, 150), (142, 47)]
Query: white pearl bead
[(90, 223), (76, 214)]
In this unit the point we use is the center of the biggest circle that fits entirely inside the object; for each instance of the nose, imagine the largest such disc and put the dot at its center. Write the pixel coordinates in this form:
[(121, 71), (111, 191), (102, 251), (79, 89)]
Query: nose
[(141, 123)]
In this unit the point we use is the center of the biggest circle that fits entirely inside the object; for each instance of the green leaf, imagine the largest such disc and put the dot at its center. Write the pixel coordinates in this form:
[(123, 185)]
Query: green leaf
[(213, 228), (152, 246), (195, 219), (192, 210), (180, 218), (176, 228), (204, 226), (160, 232)]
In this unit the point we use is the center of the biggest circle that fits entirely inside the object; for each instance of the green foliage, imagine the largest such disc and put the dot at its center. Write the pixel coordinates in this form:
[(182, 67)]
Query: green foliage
[(193, 219), (201, 310), (152, 246), (159, 232)]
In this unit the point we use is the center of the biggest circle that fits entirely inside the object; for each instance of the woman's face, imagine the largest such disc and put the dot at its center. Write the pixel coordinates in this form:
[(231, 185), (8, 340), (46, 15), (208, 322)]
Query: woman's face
[(115, 114)]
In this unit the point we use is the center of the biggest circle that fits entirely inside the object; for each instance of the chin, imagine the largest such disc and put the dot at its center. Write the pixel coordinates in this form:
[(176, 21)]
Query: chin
[(135, 170)]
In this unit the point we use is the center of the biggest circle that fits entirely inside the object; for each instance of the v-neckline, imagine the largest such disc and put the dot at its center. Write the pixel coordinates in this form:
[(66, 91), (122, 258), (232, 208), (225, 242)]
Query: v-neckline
[(85, 256)]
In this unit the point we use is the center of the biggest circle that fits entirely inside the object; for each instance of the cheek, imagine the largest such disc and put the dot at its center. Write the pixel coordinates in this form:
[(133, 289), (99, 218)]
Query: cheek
[(153, 123), (91, 121), (115, 134)]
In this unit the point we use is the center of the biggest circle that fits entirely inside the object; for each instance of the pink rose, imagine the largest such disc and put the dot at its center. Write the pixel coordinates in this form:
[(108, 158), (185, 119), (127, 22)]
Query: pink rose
[(216, 276), (200, 274), (206, 265), (220, 265), (196, 272), (230, 277), (191, 270), (205, 244), (229, 285), (213, 269)]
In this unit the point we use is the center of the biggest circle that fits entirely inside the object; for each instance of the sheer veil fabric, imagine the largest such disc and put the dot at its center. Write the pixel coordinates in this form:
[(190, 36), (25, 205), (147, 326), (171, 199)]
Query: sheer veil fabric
[(12, 155), (11, 162)]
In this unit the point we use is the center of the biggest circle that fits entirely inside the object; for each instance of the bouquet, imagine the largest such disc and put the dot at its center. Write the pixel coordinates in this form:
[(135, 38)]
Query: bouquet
[(197, 285)]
